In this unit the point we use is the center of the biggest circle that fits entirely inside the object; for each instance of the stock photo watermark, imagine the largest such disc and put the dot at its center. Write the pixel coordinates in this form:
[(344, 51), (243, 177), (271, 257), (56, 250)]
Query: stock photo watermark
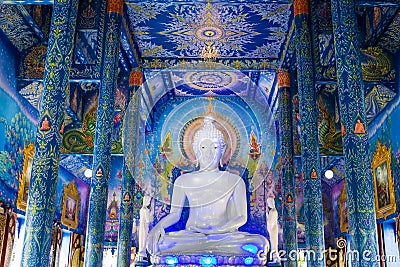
[(332, 254)]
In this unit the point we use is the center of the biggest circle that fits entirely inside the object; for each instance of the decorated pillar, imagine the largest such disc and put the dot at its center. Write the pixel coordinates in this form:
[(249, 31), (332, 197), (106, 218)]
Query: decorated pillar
[(309, 136), (286, 150), (44, 177), (359, 183), (132, 122), (102, 144)]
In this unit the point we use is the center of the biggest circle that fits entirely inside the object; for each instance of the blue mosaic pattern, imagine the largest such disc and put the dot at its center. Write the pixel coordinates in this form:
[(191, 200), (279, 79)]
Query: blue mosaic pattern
[(359, 183), (42, 191), (102, 145), (288, 184), (309, 140)]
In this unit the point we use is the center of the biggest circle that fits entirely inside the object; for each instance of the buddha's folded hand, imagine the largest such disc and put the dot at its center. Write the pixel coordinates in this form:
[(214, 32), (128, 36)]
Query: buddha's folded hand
[(156, 236)]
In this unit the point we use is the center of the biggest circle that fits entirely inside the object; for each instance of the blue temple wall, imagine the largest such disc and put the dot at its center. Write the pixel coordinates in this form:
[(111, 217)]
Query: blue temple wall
[(16, 129)]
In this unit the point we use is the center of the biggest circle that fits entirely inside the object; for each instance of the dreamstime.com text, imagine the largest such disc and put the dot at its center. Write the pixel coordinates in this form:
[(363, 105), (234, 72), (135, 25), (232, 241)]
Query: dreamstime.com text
[(331, 254)]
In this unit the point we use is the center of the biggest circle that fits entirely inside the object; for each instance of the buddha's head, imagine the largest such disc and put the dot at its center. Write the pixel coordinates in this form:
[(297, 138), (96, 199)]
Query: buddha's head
[(208, 145)]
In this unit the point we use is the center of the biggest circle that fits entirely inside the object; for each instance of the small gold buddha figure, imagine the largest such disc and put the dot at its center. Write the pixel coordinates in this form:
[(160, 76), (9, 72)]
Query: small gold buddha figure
[(99, 173), (62, 128), (45, 125), (314, 174), (359, 128)]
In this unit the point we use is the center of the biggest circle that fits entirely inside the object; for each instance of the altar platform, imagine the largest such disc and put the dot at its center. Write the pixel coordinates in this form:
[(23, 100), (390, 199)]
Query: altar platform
[(206, 260)]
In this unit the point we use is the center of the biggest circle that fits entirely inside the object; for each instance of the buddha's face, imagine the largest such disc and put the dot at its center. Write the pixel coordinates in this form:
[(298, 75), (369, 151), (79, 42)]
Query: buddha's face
[(209, 154)]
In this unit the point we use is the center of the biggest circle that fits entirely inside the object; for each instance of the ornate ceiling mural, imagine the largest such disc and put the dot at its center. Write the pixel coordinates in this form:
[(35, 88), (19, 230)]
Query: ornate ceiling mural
[(390, 39), (236, 30), (15, 27), (211, 83)]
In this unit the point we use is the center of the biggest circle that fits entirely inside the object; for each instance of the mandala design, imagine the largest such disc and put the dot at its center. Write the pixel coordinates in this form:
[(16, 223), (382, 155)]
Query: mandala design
[(210, 80), (211, 83), (235, 29)]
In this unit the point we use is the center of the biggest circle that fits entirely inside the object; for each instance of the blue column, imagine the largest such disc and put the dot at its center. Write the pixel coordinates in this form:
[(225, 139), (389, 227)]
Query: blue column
[(288, 186), (359, 182), (102, 144), (132, 122), (44, 177), (309, 135)]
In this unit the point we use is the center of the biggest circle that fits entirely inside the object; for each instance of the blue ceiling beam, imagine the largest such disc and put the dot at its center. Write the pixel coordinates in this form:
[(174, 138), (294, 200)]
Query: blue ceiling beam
[(359, 2), (28, 2), (214, 1), (32, 23)]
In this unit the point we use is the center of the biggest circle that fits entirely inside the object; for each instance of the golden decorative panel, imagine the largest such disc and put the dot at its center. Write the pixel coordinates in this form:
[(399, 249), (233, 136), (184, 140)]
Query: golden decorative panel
[(24, 182), (385, 202), (70, 206)]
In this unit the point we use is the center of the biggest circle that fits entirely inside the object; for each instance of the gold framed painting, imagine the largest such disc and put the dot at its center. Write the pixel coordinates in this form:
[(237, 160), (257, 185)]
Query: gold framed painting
[(70, 206), (385, 203), (25, 180), (343, 211)]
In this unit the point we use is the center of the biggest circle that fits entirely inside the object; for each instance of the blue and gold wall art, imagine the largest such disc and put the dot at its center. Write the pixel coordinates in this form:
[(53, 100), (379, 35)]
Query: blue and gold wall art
[(66, 178), (383, 132), (81, 123), (240, 34), (329, 133), (113, 202), (15, 126), (175, 30)]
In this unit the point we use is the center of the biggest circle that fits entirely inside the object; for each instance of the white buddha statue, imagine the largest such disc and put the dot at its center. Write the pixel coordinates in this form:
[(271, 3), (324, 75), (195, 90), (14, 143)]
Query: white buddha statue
[(272, 226), (144, 222), (218, 207)]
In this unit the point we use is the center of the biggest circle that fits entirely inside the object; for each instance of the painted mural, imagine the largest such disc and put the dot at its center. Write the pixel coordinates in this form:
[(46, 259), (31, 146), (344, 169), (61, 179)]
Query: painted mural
[(65, 178), (113, 202), (329, 134), (16, 128), (80, 122), (384, 131), (338, 211), (188, 27)]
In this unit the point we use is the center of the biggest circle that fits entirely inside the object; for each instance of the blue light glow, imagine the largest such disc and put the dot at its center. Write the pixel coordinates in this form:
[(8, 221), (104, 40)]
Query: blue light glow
[(208, 261), (248, 260), (171, 260), (250, 248)]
